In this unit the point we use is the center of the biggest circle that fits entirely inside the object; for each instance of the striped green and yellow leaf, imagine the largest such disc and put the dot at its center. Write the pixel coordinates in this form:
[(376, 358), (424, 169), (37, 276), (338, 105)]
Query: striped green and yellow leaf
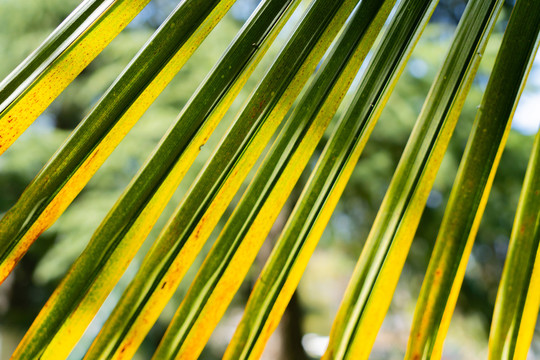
[(317, 74)]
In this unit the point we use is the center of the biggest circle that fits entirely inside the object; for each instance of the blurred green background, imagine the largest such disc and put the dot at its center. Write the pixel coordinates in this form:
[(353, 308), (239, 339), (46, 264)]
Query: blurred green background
[(302, 334)]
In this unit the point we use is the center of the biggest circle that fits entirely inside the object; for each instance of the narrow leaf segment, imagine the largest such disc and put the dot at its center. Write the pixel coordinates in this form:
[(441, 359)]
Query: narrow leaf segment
[(65, 175), (57, 328), (143, 201), (520, 285), (199, 212), (231, 257), (518, 298), (471, 189), (287, 262), (377, 272), (75, 301), (45, 73)]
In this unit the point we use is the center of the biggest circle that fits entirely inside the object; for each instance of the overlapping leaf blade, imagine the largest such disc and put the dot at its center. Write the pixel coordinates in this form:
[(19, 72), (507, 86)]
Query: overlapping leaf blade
[(231, 257), (116, 241), (45, 73), (56, 329), (375, 277), (146, 197), (471, 188), (518, 298), (64, 176), (287, 262)]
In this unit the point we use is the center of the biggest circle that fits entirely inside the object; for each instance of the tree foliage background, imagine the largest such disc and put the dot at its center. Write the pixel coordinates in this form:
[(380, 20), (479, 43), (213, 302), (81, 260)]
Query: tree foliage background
[(24, 24)]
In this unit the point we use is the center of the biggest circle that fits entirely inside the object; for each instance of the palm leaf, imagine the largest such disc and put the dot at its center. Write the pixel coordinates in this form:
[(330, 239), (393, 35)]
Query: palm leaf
[(228, 262), (349, 28), (131, 319), (90, 280), (65, 175), (41, 77), (518, 300), (471, 188), (377, 271), (284, 268)]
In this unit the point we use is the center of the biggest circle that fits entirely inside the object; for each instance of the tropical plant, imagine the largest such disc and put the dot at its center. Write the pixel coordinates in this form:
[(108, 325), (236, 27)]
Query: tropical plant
[(299, 94)]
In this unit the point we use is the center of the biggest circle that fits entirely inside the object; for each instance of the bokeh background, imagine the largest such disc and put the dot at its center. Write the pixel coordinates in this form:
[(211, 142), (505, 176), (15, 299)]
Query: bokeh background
[(304, 329)]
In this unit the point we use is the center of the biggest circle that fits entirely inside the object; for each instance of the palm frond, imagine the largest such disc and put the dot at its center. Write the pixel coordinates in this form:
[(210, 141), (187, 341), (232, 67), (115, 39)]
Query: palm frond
[(518, 300), (228, 262), (286, 264), (41, 77), (66, 174), (299, 95), (377, 272), (471, 188)]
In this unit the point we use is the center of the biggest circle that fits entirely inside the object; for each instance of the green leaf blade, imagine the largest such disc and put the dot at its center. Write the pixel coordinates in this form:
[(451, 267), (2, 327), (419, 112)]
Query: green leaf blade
[(236, 248), (367, 297), (471, 188), (41, 77), (64, 176), (288, 260)]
